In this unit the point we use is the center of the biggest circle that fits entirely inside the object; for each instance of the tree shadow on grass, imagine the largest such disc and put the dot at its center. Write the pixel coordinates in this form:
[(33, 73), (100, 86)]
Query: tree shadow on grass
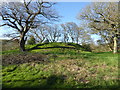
[(116, 87), (38, 47), (51, 82), (55, 81), (77, 46)]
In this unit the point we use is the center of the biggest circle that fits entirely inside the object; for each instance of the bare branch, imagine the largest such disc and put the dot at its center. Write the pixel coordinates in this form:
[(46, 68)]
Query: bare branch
[(2, 25)]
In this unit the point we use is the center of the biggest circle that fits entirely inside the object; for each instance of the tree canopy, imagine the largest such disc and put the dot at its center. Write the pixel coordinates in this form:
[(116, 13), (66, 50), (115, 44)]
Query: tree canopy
[(103, 19)]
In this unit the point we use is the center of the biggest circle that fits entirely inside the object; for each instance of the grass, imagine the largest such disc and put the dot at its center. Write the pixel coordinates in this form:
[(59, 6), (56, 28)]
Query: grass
[(10, 52), (68, 68)]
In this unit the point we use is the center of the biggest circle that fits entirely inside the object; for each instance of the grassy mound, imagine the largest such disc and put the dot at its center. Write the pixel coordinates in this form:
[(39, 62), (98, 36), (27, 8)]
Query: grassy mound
[(56, 45)]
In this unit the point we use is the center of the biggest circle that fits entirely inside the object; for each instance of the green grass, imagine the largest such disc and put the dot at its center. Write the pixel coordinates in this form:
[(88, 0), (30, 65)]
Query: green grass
[(11, 51), (71, 68)]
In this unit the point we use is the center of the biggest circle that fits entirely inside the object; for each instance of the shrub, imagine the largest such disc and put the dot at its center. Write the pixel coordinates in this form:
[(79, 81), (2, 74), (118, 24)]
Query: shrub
[(31, 41), (87, 47)]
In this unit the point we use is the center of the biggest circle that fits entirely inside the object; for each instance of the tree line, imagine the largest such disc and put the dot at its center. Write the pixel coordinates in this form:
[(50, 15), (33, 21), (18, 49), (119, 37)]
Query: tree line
[(68, 32)]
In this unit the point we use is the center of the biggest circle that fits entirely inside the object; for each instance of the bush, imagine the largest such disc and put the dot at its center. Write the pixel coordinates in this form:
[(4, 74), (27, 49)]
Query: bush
[(87, 47), (31, 41)]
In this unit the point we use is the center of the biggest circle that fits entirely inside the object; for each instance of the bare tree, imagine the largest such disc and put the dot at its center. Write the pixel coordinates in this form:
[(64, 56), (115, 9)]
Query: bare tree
[(53, 33), (71, 29), (40, 33), (103, 19), (85, 34), (72, 32), (23, 16), (64, 33)]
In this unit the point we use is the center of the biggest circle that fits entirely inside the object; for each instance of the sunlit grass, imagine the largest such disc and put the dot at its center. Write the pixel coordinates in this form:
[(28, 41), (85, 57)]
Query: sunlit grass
[(68, 68)]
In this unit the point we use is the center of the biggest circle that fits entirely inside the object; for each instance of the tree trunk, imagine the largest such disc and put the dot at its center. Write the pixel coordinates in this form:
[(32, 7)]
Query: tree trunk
[(115, 45), (22, 43), (77, 40)]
